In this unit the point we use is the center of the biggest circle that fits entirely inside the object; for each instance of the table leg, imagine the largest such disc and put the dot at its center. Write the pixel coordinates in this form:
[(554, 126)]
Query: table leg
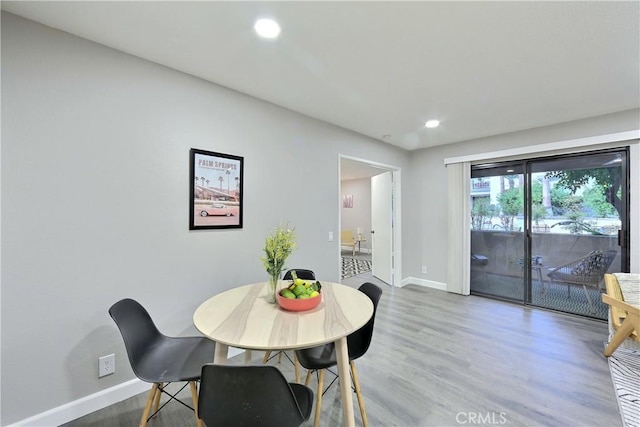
[(220, 353), (342, 354)]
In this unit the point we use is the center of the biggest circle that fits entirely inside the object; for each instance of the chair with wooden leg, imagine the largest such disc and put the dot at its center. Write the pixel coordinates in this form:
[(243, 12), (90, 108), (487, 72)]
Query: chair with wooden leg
[(303, 274), (319, 359), (247, 396), (348, 239), (158, 359)]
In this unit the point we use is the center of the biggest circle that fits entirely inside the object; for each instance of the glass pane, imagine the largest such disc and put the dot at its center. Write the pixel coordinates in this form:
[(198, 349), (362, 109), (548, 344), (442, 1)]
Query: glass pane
[(497, 237), (576, 213)]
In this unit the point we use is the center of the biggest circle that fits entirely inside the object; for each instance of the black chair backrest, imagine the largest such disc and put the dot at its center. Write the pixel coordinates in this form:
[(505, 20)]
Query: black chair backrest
[(137, 329), (359, 341), (249, 396), (301, 273)]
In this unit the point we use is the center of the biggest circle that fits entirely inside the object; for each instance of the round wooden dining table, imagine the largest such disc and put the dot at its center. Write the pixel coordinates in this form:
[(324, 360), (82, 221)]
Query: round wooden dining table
[(243, 317)]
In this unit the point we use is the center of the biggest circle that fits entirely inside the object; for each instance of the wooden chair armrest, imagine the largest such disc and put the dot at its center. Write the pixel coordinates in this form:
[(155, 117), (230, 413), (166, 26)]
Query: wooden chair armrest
[(625, 317), (630, 309)]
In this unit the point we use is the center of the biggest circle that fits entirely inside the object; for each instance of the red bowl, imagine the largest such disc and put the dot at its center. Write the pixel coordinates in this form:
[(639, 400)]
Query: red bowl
[(299, 304)]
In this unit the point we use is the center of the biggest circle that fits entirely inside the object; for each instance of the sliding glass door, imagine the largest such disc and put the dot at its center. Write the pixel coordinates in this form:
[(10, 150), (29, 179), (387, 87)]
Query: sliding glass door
[(578, 221), (545, 231)]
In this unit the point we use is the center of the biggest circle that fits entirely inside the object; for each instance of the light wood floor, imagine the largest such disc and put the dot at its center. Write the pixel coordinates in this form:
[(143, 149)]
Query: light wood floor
[(440, 359)]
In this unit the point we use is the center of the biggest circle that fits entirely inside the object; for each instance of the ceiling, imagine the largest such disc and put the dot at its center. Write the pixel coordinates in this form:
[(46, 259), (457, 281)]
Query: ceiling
[(383, 68), (358, 169)]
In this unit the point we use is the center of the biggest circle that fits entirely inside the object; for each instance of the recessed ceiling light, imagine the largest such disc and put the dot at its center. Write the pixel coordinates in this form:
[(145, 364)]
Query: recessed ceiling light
[(432, 123), (267, 28)]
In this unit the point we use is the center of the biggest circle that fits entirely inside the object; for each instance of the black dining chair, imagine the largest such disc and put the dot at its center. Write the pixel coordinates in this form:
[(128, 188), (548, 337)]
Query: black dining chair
[(158, 359), (247, 396), (318, 359), (303, 274)]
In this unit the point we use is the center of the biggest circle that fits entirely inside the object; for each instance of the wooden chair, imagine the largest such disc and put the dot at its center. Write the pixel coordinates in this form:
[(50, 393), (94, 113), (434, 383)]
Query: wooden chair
[(320, 359), (347, 239), (625, 318), (248, 396), (159, 359)]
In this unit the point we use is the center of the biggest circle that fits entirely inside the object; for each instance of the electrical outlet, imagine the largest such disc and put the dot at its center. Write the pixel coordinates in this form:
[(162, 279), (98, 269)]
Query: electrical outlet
[(424, 269), (106, 365)]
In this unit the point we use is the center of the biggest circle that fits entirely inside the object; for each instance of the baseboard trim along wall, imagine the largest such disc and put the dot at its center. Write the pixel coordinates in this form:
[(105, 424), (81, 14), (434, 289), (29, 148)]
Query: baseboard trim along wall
[(94, 402), (86, 405), (422, 282)]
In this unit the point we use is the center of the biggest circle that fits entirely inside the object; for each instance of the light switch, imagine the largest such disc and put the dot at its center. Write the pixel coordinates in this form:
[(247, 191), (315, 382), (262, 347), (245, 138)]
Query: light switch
[(331, 236)]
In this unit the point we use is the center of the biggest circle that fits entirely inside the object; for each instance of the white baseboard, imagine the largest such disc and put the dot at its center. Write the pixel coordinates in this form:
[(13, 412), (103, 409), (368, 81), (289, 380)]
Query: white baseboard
[(94, 402), (422, 282), (86, 405)]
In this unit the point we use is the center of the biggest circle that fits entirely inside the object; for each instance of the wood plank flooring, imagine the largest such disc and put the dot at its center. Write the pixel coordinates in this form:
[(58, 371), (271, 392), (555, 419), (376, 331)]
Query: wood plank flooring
[(440, 359)]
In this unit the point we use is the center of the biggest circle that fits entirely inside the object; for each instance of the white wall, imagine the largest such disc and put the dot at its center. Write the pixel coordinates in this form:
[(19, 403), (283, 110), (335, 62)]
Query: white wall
[(95, 203), (426, 186), (360, 215)]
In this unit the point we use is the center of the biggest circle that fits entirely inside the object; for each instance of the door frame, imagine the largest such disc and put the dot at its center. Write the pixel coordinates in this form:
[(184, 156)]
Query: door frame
[(629, 139), (526, 168), (396, 226)]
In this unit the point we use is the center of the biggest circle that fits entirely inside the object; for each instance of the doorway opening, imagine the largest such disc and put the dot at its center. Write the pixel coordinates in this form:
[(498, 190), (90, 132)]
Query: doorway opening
[(369, 231)]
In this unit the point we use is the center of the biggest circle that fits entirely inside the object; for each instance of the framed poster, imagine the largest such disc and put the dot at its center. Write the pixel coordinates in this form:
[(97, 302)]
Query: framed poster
[(215, 184)]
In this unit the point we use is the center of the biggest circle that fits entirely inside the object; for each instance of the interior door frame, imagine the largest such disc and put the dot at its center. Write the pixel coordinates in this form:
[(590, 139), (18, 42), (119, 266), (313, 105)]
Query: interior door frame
[(396, 227)]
